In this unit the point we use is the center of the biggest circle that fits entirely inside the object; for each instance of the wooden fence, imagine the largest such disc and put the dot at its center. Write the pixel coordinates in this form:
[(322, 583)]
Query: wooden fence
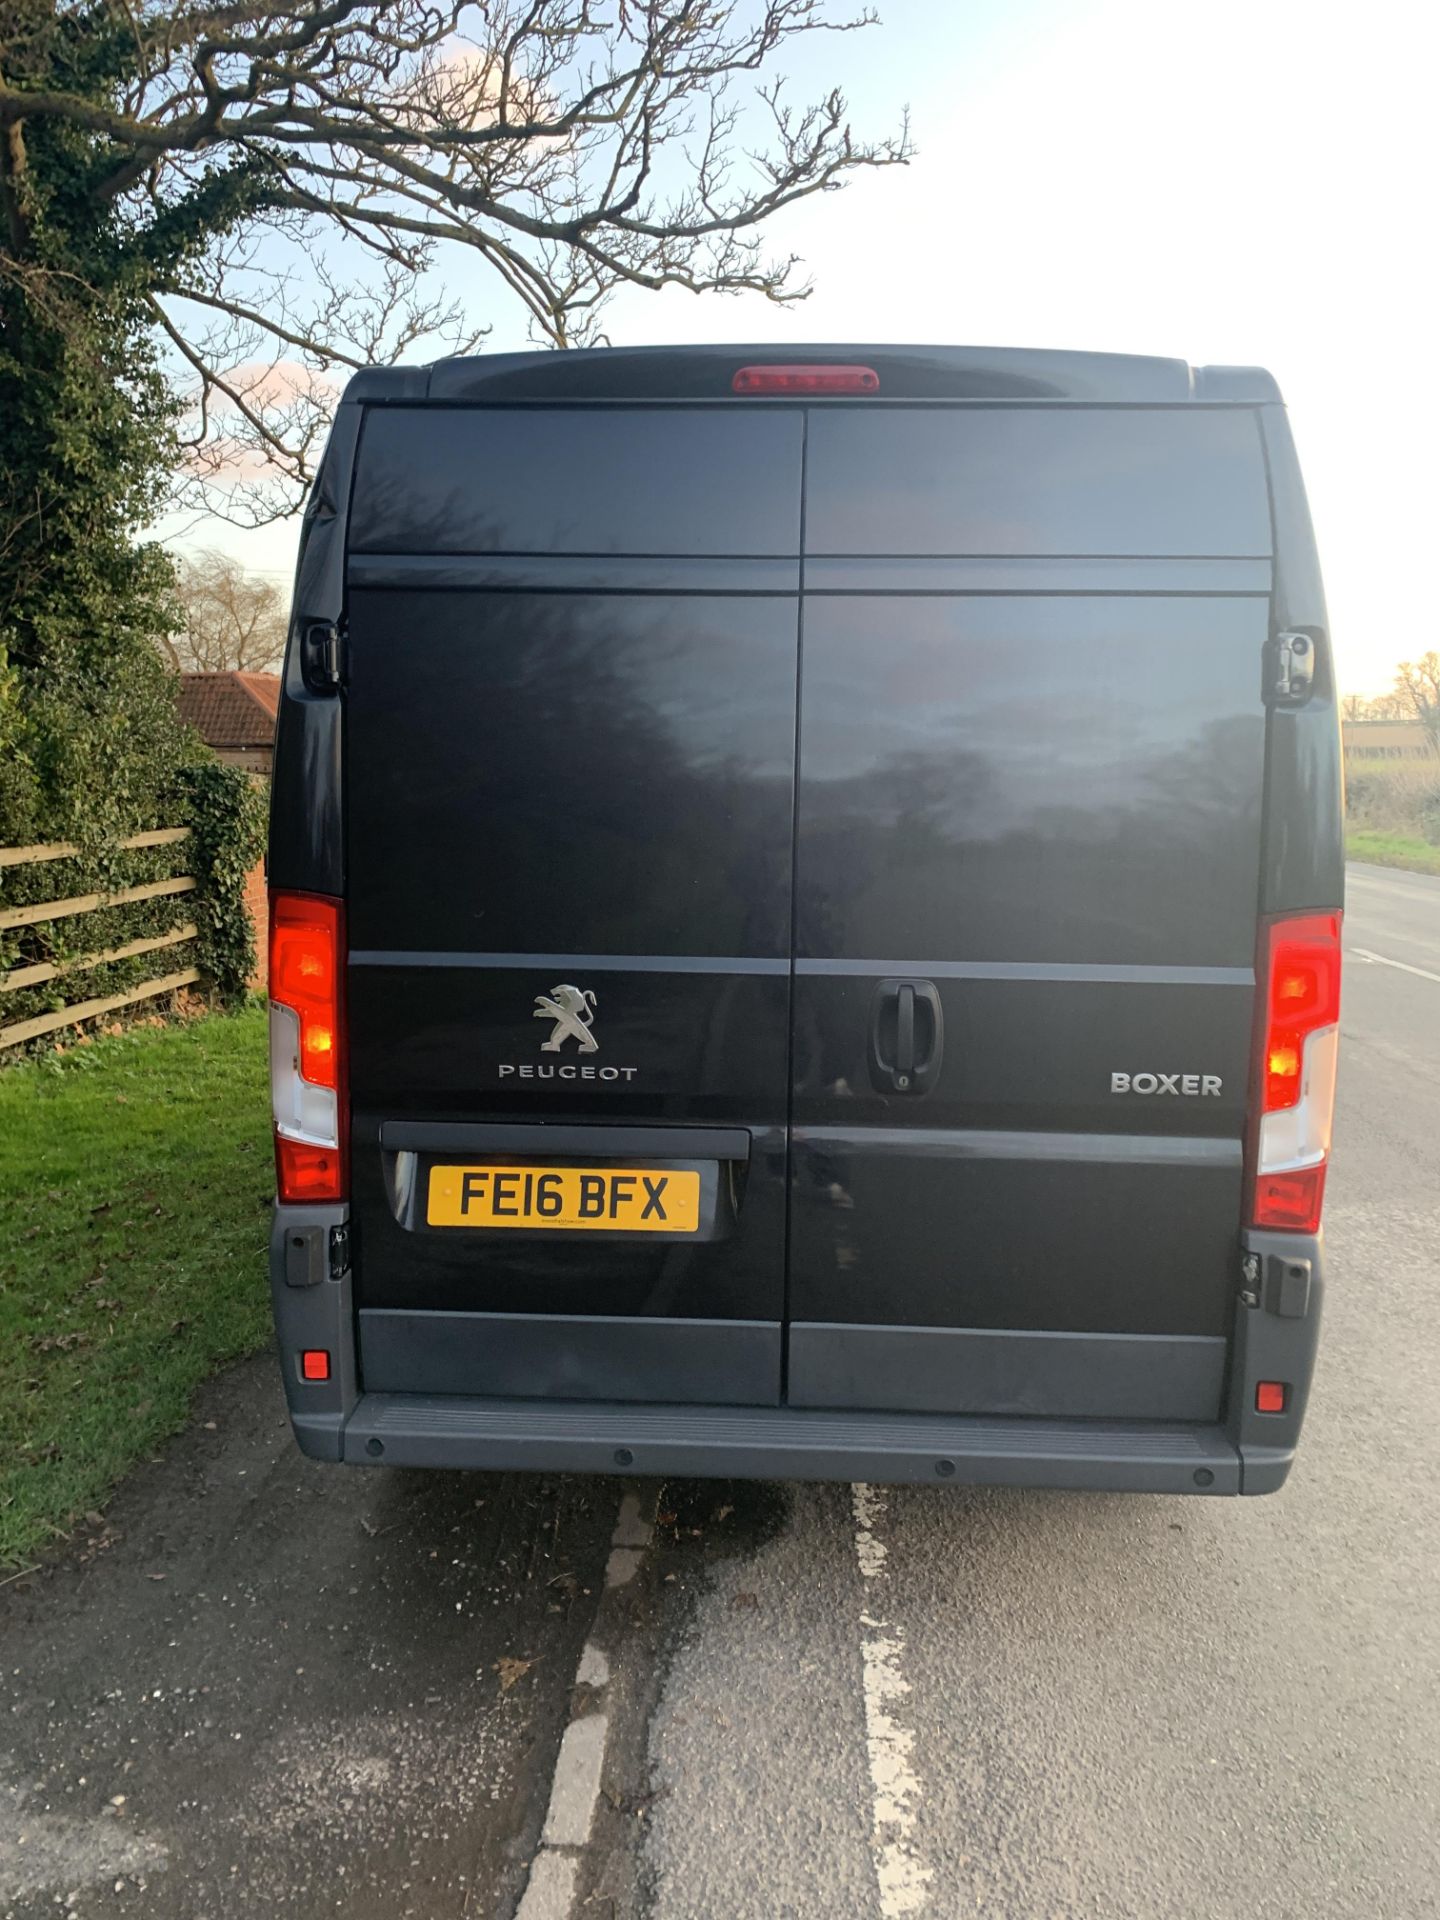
[(33, 915)]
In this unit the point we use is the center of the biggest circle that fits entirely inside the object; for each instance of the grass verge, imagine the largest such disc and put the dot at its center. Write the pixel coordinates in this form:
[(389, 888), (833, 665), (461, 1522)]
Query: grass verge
[(1392, 849), (135, 1185)]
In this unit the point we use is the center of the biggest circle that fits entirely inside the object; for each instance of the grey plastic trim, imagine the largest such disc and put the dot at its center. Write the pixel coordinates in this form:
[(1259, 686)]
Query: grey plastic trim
[(415, 1430), (981, 1370), (565, 963), (576, 573), (569, 1357), (974, 1143), (321, 1315), (1062, 573), (1082, 971), (661, 1143), (1274, 1346)]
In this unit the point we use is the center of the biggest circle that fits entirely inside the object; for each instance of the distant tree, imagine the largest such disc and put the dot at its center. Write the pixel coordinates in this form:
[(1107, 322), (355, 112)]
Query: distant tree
[(1378, 706), (232, 619), (1417, 684), (1388, 706)]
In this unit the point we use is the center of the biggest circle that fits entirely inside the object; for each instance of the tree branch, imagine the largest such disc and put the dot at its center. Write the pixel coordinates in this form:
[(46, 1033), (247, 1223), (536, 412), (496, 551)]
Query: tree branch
[(570, 149)]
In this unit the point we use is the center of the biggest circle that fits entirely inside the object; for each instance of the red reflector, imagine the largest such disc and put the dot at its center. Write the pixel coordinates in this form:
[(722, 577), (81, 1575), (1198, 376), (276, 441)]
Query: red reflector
[(304, 1172), (1270, 1396), (820, 379), (314, 1364), (1290, 1200)]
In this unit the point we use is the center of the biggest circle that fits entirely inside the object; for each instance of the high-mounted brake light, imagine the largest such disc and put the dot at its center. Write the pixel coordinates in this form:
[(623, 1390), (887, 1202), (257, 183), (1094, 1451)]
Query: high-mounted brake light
[(1298, 1037), (307, 1045), (816, 379)]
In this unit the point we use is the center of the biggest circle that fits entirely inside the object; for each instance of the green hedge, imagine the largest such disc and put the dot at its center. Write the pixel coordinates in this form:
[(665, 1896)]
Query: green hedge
[(225, 811)]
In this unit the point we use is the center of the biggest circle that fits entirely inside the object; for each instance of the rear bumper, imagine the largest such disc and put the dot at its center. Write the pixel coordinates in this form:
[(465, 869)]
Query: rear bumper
[(1249, 1453), (422, 1430)]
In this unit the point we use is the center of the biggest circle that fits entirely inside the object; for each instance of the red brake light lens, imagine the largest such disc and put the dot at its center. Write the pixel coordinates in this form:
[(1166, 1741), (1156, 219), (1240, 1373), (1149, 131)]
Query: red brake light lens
[(307, 1051), (806, 379), (1297, 1041), (305, 976), (314, 1364), (1304, 993)]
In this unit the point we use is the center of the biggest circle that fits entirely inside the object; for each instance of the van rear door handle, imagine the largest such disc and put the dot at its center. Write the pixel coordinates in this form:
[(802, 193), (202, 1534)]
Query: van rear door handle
[(907, 1035), (905, 1032)]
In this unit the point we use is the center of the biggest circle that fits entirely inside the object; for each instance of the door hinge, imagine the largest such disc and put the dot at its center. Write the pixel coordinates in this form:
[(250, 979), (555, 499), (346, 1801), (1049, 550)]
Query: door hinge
[(1289, 669), (339, 1252), (322, 656)]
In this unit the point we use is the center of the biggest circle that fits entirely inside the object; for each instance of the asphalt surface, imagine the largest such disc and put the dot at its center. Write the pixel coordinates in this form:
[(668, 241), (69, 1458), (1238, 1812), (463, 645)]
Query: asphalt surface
[(911, 1701), (270, 1688), (1128, 1706)]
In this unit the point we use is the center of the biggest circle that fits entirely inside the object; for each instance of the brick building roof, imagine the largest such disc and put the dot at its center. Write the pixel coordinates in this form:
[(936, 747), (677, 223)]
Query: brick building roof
[(231, 709)]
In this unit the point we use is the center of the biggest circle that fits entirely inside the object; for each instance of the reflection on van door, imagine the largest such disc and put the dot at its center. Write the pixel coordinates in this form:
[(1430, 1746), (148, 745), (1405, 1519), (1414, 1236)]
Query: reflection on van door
[(1027, 862), (568, 886)]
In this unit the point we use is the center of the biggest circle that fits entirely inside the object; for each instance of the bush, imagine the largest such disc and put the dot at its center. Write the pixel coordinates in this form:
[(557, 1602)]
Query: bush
[(1394, 796)]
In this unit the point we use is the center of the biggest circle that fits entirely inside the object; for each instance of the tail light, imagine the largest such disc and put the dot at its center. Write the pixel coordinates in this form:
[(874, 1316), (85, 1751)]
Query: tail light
[(307, 1045), (1298, 1035), (807, 379)]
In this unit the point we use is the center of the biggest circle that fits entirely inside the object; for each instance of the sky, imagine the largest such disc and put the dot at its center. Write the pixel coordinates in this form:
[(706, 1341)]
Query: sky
[(1253, 182)]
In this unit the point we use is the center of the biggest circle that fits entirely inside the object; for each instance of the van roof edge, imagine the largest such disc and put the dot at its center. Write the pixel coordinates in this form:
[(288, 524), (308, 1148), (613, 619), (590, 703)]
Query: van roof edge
[(906, 373)]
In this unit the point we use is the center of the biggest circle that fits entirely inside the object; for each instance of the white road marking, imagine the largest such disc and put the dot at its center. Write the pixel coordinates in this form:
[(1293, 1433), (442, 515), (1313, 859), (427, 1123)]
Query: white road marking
[(623, 1565), (633, 1526), (575, 1788), (901, 1874), (575, 1785), (594, 1668), (550, 1890), (1402, 966)]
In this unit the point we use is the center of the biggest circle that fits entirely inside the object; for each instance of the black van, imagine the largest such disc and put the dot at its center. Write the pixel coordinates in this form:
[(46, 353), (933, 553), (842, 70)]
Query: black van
[(806, 916)]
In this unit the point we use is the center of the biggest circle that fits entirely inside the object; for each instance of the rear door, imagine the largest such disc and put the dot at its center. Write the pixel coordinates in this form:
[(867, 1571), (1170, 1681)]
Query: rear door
[(1029, 825), (570, 730)]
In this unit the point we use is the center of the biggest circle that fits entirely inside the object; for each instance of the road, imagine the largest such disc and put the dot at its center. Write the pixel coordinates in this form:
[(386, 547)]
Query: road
[(344, 1693)]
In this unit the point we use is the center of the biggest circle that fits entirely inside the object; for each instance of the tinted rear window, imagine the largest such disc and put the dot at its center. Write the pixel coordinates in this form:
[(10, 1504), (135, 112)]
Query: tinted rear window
[(571, 480), (1084, 480)]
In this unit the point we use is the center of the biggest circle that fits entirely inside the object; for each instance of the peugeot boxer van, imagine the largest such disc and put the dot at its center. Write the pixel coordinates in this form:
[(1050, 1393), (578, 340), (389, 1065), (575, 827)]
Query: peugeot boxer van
[(805, 939)]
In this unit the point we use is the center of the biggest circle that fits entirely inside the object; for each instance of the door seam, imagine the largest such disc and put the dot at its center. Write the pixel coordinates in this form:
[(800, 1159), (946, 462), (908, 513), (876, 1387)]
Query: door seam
[(794, 911)]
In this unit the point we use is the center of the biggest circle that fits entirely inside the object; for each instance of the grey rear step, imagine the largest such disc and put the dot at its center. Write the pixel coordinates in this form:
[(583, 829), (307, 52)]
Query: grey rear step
[(421, 1430)]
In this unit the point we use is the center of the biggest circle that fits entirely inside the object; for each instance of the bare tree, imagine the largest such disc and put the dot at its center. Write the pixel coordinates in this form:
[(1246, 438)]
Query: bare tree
[(233, 619), (1417, 683), (293, 173), (1377, 706)]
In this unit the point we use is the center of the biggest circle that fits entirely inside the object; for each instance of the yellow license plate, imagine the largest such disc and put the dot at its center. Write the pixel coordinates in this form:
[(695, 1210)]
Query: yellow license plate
[(572, 1199)]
